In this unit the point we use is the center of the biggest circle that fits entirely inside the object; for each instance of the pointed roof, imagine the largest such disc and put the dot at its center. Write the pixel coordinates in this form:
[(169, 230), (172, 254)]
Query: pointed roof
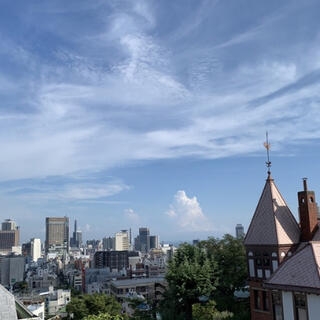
[(301, 270), (272, 223)]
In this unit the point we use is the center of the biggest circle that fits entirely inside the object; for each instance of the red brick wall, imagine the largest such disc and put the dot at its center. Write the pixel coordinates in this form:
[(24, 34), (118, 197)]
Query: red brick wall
[(255, 313)]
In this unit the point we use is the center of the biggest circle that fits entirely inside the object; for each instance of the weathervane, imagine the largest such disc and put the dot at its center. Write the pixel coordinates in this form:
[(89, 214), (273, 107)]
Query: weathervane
[(267, 146)]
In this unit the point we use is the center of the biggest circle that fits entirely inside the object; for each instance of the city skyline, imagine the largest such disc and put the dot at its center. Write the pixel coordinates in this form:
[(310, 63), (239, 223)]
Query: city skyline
[(148, 113)]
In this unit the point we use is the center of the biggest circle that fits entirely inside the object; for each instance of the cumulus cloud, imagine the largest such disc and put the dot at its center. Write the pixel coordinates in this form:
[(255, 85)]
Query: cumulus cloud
[(187, 213)]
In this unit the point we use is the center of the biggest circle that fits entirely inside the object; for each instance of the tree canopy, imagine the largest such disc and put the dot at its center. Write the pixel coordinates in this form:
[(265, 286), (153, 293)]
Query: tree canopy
[(88, 305), (210, 271)]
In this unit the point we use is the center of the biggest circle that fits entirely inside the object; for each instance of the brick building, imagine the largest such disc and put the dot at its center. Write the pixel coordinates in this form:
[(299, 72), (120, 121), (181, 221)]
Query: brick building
[(284, 257)]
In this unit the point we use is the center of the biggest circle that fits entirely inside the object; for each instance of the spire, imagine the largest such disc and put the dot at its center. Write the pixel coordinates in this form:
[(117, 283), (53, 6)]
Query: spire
[(272, 222), (268, 162)]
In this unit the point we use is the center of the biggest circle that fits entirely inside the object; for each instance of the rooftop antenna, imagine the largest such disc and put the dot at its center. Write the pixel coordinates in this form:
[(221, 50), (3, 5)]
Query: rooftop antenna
[(267, 146)]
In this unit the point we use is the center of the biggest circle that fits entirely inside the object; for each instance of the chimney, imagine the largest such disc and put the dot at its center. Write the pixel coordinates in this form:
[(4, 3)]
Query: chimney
[(308, 212)]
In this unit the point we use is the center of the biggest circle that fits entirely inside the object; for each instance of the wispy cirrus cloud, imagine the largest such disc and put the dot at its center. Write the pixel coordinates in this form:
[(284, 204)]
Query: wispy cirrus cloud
[(123, 90)]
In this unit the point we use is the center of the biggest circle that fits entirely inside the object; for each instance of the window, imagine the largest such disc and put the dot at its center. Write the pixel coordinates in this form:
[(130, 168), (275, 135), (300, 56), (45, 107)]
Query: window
[(267, 273), (300, 305), (277, 305), (251, 268), (274, 265), (266, 260), (265, 299), (259, 262), (257, 299)]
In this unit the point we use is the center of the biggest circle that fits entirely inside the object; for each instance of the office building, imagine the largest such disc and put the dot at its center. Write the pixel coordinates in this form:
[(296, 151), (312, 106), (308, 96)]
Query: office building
[(11, 270), (114, 260), (8, 225), (76, 240), (154, 242), (9, 236), (144, 240), (57, 234), (108, 243), (239, 231), (122, 240), (35, 249)]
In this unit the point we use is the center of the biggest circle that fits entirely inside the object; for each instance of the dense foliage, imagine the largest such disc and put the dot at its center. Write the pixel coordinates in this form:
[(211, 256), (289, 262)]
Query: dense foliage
[(104, 316), (89, 305), (210, 272)]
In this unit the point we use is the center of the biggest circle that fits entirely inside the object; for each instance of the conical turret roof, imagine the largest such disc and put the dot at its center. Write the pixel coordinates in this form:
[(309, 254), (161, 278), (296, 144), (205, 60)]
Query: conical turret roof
[(272, 223)]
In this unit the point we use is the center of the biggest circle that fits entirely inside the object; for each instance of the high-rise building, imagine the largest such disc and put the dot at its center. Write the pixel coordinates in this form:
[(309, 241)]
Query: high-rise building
[(79, 238), (154, 242), (122, 240), (9, 236), (108, 243), (57, 234), (239, 231), (76, 240), (144, 240), (35, 249), (9, 225)]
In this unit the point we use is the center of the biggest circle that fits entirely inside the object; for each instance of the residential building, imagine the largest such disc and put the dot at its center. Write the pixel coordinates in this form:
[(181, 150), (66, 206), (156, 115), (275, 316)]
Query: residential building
[(57, 300), (122, 240), (57, 234)]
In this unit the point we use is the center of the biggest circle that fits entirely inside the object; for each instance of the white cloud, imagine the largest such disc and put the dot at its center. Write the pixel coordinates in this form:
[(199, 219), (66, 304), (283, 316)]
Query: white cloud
[(187, 213), (131, 215), (149, 99)]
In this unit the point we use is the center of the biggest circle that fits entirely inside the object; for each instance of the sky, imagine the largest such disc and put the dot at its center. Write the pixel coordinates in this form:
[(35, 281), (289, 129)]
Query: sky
[(153, 113)]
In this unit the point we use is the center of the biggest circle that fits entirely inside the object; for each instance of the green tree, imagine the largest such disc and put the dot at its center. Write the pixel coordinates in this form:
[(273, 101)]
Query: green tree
[(104, 316), (191, 274), (85, 305), (229, 254), (209, 311)]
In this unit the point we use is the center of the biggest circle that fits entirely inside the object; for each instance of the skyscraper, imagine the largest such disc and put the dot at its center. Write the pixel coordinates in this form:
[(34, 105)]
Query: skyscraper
[(144, 234), (239, 231), (35, 249), (9, 225), (154, 242), (76, 240), (108, 243), (9, 236), (57, 234), (122, 240)]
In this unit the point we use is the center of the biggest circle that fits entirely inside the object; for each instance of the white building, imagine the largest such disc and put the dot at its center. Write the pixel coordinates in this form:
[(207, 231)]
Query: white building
[(56, 300), (122, 242), (35, 249)]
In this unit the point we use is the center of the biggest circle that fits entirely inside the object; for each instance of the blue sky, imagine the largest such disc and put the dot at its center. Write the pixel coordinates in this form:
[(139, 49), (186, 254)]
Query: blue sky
[(153, 113)]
